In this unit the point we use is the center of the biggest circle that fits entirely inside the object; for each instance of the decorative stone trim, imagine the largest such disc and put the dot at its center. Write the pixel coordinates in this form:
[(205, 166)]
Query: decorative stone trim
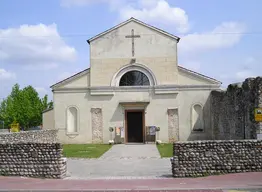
[(173, 125), (97, 125)]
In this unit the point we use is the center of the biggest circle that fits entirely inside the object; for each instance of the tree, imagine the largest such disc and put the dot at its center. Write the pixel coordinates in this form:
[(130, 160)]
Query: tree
[(24, 106)]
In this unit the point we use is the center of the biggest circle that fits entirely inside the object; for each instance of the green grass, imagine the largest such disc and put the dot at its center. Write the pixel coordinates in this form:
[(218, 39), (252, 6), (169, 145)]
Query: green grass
[(165, 150), (85, 150)]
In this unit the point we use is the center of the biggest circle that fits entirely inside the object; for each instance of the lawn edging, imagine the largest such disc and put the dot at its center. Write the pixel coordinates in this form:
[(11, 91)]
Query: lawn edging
[(85, 150), (165, 150)]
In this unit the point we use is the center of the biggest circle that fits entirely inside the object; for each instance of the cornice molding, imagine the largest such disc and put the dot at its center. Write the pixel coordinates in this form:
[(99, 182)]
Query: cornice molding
[(161, 89)]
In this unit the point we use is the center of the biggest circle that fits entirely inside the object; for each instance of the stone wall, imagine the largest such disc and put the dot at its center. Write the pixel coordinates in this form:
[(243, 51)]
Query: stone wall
[(202, 158), (4, 131), (32, 154), (43, 136), (233, 110)]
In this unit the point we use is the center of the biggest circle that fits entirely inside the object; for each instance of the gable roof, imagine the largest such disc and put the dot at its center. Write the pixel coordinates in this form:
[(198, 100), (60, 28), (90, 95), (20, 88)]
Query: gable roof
[(137, 21), (79, 74), (199, 74)]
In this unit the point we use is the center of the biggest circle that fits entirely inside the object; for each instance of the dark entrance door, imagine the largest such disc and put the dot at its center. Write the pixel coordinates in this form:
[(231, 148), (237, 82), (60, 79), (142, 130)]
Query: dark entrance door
[(134, 126)]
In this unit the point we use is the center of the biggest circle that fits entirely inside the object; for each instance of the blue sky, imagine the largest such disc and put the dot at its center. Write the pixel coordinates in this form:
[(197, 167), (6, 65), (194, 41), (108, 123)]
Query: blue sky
[(42, 42)]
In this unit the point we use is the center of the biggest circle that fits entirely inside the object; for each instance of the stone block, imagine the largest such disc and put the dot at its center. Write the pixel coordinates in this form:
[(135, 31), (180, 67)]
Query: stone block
[(202, 158), (31, 154)]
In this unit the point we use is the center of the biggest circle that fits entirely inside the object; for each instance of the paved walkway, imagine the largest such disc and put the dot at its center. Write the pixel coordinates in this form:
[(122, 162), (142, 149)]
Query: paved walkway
[(247, 181), (128, 161), (132, 151)]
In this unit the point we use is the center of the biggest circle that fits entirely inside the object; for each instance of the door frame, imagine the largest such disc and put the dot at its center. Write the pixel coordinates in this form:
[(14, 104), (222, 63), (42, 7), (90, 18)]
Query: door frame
[(143, 123)]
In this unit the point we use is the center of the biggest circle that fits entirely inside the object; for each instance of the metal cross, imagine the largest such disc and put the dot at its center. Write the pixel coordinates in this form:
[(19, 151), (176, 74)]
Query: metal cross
[(133, 36)]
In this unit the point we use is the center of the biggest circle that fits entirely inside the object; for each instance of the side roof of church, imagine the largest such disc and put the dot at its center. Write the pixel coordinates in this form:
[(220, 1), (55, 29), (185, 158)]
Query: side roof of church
[(132, 19), (71, 78), (84, 72)]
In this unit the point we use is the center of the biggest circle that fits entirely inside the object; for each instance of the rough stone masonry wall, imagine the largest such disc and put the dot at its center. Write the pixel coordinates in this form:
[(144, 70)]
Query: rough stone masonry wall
[(31, 154), (233, 110), (48, 136), (202, 158)]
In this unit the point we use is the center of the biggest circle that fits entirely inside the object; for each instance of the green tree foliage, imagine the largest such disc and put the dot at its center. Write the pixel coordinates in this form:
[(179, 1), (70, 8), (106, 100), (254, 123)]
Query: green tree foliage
[(24, 106)]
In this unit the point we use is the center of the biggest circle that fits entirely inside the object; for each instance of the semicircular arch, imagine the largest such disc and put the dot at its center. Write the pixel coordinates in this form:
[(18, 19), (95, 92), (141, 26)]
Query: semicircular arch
[(134, 67)]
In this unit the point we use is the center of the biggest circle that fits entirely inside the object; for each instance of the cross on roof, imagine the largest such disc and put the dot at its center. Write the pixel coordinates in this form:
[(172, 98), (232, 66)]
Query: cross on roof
[(133, 36)]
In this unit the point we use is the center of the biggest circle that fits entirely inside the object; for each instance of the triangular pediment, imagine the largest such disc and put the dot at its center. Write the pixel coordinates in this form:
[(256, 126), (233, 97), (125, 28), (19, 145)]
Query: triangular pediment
[(80, 79), (138, 22)]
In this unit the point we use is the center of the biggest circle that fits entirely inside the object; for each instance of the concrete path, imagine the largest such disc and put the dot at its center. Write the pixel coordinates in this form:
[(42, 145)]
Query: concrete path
[(119, 168), (132, 151), (122, 161), (245, 181)]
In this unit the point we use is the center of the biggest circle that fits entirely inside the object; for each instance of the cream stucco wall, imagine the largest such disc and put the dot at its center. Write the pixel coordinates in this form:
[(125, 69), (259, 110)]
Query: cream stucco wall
[(48, 120), (185, 78), (110, 56), (113, 50), (113, 113), (81, 81)]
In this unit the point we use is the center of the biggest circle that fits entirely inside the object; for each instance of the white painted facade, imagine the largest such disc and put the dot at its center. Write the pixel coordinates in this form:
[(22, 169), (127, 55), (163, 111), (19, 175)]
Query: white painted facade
[(98, 102)]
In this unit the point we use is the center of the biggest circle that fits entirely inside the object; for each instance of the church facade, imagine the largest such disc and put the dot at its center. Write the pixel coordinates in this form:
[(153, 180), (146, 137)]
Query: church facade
[(134, 84)]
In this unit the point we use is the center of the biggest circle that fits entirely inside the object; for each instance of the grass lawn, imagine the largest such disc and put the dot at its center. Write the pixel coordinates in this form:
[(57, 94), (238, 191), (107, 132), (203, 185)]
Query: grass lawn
[(85, 150), (165, 150)]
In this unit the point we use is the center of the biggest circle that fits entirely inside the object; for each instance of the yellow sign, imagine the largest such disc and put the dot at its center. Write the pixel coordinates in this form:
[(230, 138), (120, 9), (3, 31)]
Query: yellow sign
[(258, 114), (15, 127)]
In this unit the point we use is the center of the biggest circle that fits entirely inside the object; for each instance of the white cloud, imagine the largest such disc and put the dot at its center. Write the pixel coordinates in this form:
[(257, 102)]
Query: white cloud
[(152, 11), (46, 66), (6, 75), (34, 46), (223, 36), (157, 11)]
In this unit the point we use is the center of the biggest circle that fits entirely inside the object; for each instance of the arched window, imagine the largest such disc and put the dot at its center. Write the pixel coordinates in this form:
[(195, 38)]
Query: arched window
[(71, 120), (134, 78), (197, 118)]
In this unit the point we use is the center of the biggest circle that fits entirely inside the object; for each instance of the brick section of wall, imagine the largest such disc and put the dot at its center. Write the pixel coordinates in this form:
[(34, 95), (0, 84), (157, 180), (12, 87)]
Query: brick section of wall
[(202, 158), (32, 154), (233, 110)]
